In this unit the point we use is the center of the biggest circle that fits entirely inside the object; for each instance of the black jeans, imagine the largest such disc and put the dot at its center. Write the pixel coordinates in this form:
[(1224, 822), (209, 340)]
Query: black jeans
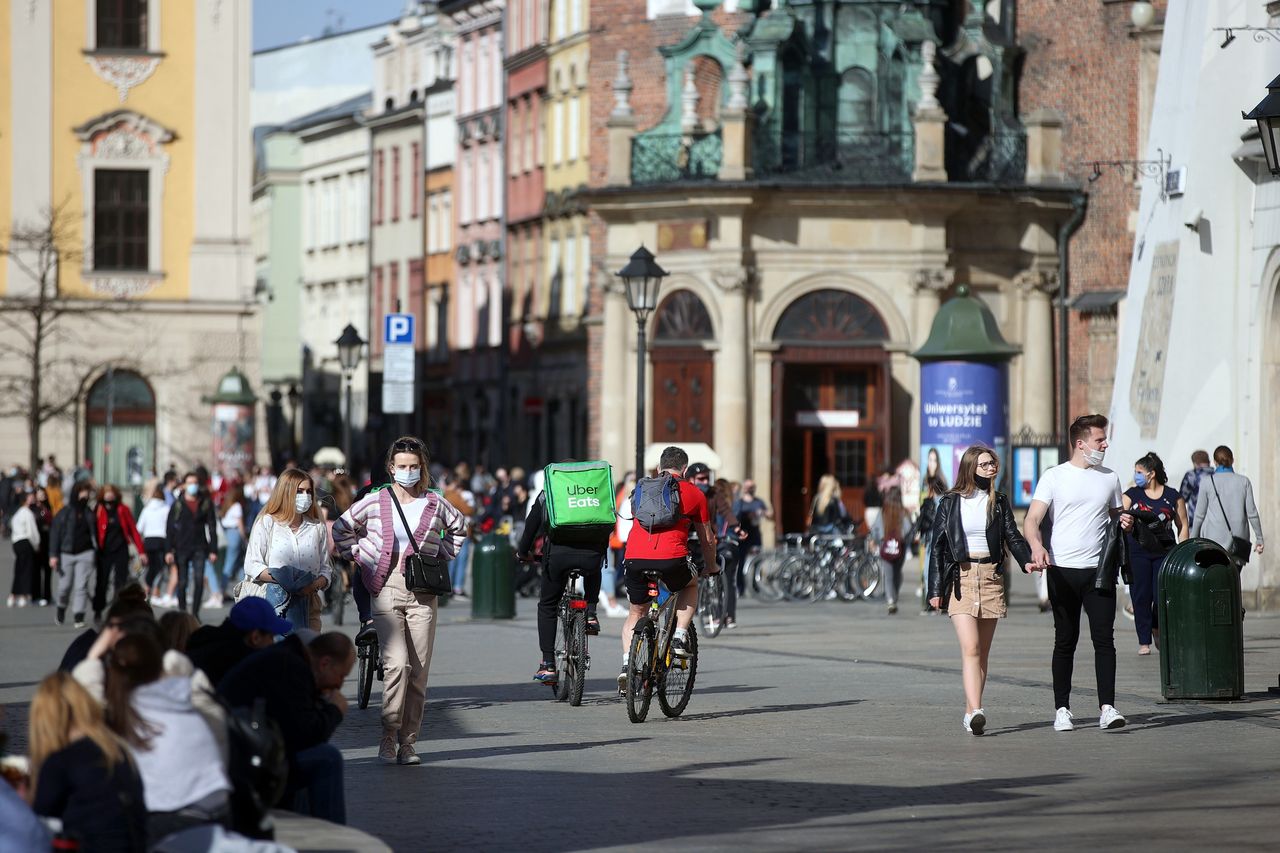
[(555, 577), (191, 562), (1070, 590), (156, 568), (113, 566)]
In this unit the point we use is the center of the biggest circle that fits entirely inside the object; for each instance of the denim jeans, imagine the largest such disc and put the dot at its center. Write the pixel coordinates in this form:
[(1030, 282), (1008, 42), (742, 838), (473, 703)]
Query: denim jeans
[(318, 784), (284, 594), (231, 561), (458, 566)]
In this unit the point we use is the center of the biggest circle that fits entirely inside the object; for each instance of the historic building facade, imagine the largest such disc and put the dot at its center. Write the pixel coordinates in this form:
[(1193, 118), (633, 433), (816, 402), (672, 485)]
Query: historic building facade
[(816, 179), (132, 122)]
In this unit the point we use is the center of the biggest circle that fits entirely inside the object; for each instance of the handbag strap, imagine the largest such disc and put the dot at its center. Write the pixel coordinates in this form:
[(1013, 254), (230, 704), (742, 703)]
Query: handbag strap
[(405, 522), (1218, 495)]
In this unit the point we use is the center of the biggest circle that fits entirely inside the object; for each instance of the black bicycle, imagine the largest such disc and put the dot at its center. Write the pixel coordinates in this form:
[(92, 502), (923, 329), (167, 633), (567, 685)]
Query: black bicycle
[(652, 666), (713, 601), (572, 658), (369, 659)]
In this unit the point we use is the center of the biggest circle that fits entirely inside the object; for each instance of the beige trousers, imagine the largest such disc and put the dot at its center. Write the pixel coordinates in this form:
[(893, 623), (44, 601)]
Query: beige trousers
[(406, 626)]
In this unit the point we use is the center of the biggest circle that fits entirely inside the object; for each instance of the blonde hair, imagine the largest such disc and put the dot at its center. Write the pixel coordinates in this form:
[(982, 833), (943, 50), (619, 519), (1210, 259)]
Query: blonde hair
[(59, 708), (828, 490), (280, 504)]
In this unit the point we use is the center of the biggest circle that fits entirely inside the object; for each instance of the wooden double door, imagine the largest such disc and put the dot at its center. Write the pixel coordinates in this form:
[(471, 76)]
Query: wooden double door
[(683, 407)]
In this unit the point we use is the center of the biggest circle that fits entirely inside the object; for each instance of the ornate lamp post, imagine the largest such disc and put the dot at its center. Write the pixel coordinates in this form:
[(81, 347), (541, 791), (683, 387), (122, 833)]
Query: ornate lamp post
[(349, 348), (1267, 115), (642, 278)]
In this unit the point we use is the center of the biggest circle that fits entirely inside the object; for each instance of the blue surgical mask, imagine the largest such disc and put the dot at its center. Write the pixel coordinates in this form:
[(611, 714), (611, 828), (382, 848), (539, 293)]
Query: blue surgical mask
[(408, 476), (193, 489), (1139, 479)]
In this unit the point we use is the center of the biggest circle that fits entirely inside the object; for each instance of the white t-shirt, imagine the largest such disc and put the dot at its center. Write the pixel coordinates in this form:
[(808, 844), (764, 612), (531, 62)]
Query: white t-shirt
[(413, 514), (973, 515), (233, 516), (1080, 500)]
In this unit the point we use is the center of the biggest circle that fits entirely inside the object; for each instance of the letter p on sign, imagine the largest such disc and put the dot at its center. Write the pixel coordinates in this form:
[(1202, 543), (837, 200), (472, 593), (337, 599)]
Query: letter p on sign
[(397, 329)]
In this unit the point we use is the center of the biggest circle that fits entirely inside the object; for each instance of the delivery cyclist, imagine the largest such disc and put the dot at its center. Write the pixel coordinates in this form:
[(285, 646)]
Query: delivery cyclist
[(665, 550)]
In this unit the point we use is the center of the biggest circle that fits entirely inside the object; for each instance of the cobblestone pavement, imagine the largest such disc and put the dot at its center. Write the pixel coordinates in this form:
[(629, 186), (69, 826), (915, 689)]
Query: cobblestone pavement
[(812, 727)]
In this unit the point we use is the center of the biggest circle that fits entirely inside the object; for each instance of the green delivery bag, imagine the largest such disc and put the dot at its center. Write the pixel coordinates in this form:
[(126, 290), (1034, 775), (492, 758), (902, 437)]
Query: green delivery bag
[(579, 498)]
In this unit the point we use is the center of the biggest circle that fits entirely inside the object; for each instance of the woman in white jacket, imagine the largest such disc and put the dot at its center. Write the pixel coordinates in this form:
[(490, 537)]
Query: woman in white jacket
[(289, 538), (153, 528), (26, 544)]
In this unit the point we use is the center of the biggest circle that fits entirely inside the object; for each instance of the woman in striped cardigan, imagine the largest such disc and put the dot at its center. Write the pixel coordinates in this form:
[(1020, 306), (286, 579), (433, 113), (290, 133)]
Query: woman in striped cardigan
[(371, 534)]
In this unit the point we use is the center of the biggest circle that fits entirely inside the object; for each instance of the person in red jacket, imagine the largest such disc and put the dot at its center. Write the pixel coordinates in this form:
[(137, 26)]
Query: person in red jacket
[(116, 532)]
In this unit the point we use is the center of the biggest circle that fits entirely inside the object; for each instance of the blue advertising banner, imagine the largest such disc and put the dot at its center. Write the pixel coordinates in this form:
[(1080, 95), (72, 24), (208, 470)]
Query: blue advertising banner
[(961, 403)]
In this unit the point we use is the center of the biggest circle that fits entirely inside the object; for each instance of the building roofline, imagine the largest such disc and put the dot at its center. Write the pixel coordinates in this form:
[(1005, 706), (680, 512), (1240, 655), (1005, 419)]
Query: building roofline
[(320, 38)]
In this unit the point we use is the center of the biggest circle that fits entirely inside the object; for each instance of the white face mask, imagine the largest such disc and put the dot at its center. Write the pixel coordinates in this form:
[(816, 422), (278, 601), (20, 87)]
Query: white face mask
[(408, 476), (302, 501), (1094, 457)]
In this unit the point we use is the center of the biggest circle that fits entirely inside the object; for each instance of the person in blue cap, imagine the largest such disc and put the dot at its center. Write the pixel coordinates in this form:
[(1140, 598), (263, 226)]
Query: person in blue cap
[(252, 624)]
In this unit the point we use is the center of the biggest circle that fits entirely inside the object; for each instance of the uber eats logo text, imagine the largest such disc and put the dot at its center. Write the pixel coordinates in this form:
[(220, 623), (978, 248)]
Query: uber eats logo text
[(583, 496)]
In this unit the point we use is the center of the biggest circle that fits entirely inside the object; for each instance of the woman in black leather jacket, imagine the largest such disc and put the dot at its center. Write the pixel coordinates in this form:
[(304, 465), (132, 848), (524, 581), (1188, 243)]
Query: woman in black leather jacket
[(972, 530)]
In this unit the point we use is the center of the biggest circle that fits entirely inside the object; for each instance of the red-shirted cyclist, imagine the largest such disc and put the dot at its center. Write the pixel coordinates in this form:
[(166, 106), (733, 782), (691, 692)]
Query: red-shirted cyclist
[(666, 552)]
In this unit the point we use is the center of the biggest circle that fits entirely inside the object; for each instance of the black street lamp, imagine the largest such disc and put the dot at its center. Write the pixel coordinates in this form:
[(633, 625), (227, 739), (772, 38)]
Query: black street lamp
[(643, 278), (1267, 115), (350, 345)]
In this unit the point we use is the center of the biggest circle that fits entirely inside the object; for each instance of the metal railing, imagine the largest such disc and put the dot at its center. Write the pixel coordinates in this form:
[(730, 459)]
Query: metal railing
[(660, 158), (856, 157)]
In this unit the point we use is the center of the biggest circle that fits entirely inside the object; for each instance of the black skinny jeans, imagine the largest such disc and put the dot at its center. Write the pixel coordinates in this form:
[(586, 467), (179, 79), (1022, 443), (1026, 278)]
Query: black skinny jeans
[(1070, 590), (555, 577), (112, 566), (191, 562), (156, 568)]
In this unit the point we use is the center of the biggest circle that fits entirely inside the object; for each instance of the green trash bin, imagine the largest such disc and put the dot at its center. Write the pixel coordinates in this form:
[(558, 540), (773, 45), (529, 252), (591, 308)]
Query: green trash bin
[(493, 580), (1201, 627)]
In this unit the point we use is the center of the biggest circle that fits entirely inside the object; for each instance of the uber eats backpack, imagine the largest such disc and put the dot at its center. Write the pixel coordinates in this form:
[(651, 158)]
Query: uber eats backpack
[(655, 504), (579, 499)]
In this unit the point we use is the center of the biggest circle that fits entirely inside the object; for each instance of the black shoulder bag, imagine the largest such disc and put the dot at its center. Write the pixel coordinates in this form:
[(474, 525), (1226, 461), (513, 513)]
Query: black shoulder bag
[(421, 574), (1241, 548)]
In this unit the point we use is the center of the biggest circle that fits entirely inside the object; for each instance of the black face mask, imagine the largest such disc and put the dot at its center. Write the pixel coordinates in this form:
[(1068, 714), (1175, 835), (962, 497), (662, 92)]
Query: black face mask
[(983, 483)]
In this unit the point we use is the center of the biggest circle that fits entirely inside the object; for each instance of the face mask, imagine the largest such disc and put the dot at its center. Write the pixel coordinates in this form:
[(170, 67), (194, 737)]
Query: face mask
[(193, 489), (1139, 480), (1093, 458), (111, 501), (408, 477), (302, 501), (983, 483), (82, 499)]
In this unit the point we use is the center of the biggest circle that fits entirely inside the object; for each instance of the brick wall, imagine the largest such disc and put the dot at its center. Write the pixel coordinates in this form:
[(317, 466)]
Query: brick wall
[(1083, 61)]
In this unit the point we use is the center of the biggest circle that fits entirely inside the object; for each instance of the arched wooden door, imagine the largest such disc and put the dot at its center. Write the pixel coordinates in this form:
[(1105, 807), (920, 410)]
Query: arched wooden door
[(683, 403), (830, 401), (121, 428)]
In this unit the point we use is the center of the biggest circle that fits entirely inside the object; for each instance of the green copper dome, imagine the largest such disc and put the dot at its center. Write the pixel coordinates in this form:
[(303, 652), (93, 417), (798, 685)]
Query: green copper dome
[(965, 329)]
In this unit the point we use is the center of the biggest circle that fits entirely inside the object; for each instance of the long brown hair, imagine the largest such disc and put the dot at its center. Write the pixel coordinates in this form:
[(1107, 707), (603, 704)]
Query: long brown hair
[(343, 493), (234, 495), (135, 660), (59, 708), (892, 513), (966, 485), (280, 505)]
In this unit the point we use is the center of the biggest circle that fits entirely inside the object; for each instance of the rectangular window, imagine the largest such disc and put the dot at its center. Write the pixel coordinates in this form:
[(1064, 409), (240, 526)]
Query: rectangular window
[(557, 132), (379, 179), (416, 205), (442, 321), (574, 130), (121, 219), (562, 18), (121, 24), (576, 22), (393, 290), (395, 184), (375, 322), (446, 221), (571, 276)]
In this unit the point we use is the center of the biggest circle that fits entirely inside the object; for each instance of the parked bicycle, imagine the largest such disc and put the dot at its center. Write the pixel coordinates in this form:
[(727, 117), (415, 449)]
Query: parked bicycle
[(816, 568), (712, 605), (652, 667), (572, 658)]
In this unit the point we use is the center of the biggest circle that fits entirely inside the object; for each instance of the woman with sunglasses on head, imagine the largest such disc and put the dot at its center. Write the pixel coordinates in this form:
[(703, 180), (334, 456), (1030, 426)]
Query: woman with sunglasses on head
[(972, 529), (378, 532), (287, 560)]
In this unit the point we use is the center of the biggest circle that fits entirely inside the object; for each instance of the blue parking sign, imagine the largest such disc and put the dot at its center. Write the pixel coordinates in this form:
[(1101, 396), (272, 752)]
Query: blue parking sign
[(397, 329)]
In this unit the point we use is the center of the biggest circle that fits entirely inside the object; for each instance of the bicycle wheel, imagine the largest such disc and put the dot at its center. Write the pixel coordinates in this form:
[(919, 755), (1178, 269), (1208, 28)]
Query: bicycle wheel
[(364, 679), (340, 606), (868, 574), (711, 604), (561, 687), (640, 671), (847, 577), (675, 683), (575, 658)]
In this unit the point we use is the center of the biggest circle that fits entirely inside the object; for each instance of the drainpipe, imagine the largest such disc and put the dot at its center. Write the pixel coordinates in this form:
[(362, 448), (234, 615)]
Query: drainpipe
[(1080, 206)]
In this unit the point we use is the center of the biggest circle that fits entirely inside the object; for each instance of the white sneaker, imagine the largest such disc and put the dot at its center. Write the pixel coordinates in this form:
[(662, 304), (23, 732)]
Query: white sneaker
[(1110, 718), (408, 755), (1062, 722), (10, 602), (387, 750), (976, 723)]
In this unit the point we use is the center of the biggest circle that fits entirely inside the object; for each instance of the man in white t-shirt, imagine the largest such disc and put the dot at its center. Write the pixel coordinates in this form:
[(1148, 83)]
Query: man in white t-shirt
[(1079, 498)]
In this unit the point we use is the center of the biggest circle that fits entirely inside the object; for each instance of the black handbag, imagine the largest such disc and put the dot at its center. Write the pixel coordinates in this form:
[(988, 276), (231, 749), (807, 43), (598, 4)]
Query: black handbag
[(421, 574), (258, 767), (1241, 549)]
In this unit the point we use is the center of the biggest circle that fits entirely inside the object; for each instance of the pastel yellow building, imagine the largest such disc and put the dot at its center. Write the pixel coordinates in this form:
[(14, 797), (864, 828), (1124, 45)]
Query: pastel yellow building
[(130, 119)]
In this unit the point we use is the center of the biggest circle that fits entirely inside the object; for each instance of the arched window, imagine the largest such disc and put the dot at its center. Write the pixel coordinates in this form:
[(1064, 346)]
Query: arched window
[(683, 318), (707, 77), (121, 426), (857, 108), (831, 317)]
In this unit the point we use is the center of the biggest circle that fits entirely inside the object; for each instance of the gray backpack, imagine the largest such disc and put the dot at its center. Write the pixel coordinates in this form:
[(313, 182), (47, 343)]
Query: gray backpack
[(655, 504)]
